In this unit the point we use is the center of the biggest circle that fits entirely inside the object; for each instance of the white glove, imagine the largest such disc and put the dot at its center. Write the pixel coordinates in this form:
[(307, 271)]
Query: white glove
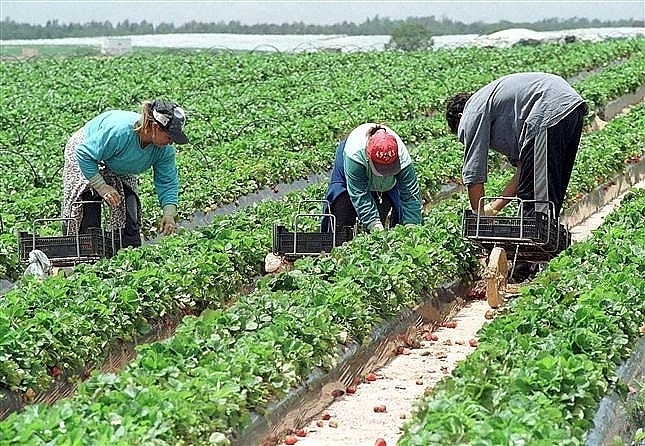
[(489, 211), (167, 224), (377, 227), (109, 194)]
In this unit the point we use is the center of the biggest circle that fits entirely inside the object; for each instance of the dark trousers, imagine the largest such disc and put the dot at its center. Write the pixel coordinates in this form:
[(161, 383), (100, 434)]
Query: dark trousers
[(130, 234), (547, 163), (343, 209)]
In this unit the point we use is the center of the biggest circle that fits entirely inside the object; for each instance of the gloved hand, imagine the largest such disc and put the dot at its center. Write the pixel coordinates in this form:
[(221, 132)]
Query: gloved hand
[(489, 211), (377, 227), (109, 194), (167, 224)]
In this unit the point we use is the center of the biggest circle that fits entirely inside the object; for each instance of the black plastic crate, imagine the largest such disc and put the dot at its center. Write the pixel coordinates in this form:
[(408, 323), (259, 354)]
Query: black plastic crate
[(107, 242), (68, 249), (535, 231), (56, 246), (308, 242)]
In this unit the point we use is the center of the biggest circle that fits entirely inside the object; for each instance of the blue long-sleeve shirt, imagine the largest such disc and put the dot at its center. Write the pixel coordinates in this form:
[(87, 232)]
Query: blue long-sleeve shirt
[(110, 138)]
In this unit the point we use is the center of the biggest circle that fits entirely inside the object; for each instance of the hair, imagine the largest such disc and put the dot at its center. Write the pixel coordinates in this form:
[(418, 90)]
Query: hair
[(146, 117), (372, 130), (454, 109)]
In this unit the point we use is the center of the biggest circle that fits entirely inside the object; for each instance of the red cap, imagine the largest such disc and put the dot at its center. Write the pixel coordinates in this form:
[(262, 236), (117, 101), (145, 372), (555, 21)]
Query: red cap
[(383, 154)]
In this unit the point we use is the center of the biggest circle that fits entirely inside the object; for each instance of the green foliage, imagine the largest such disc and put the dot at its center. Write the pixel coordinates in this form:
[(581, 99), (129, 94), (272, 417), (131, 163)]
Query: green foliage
[(248, 349), (410, 36)]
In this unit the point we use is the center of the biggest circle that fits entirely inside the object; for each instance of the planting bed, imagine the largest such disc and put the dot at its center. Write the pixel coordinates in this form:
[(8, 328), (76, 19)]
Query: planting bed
[(353, 420)]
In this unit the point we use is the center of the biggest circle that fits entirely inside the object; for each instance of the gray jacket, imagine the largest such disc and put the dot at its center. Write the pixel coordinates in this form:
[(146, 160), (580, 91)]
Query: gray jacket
[(507, 114)]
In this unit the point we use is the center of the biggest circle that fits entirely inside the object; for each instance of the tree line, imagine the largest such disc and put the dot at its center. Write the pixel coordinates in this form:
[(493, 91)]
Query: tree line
[(372, 26)]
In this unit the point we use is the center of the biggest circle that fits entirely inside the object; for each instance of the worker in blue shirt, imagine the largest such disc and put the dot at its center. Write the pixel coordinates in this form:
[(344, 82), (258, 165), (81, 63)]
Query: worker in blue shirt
[(373, 181), (103, 161)]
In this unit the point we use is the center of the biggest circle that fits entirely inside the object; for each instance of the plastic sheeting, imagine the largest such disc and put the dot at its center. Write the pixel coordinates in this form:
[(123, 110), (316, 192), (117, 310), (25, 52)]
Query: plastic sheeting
[(38, 264), (613, 419), (339, 42)]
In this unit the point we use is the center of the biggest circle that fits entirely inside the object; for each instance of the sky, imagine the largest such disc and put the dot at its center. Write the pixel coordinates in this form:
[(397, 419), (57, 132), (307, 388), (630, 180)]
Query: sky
[(312, 12)]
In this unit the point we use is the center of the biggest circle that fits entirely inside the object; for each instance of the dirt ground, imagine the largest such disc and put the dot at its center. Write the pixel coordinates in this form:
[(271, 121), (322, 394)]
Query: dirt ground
[(352, 419), (398, 385)]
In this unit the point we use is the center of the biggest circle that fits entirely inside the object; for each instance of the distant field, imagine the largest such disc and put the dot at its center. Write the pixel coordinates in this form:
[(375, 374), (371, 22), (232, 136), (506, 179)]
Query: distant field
[(29, 51), (26, 51)]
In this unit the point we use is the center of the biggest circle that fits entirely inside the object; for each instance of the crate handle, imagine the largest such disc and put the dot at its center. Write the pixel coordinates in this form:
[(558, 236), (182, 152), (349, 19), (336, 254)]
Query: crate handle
[(332, 217), (67, 219), (323, 202)]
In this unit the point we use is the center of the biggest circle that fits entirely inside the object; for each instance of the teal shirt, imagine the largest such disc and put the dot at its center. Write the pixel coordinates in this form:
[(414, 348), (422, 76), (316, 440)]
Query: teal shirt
[(361, 181), (110, 137)]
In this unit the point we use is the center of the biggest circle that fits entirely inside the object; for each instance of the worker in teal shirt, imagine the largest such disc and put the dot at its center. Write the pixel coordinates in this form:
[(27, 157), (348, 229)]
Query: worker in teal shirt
[(103, 161), (373, 181)]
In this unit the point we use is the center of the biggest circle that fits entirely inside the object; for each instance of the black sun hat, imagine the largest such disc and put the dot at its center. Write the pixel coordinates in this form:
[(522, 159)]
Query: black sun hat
[(171, 118)]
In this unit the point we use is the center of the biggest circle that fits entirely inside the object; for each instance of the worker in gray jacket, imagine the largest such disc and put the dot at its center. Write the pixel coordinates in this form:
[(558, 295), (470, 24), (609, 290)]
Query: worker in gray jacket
[(535, 120)]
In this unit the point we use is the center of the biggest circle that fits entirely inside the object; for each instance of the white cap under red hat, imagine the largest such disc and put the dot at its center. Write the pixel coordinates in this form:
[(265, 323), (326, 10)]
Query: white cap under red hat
[(383, 153)]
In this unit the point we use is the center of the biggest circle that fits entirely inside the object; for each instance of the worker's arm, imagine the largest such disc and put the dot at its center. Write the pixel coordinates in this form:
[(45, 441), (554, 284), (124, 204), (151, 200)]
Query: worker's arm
[(475, 192), (166, 177), (410, 195), (357, 184), (510, 190), (94, 148), (475, 135)]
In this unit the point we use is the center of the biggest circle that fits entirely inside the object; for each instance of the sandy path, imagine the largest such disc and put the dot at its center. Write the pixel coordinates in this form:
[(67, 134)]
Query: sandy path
[(399, 383)]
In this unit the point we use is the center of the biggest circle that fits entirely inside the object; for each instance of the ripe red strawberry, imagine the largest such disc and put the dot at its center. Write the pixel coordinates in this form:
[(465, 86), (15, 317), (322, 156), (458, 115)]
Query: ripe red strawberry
[(380, 442), (371, 376), (290, 439), (325, 416), (300, 433), (351, 390)]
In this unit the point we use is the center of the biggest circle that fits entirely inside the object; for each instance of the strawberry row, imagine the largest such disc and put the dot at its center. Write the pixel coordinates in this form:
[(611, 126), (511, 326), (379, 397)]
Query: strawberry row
[(26, 201), (542, 367)]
